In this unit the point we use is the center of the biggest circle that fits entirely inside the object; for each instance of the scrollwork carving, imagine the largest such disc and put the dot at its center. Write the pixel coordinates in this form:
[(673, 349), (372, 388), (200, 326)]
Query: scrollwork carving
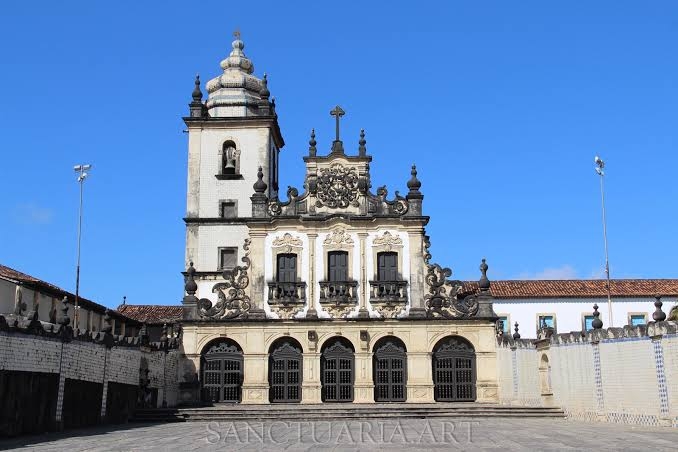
[(287, 241), (442, 297), (232, 302), (337, 187), (388, 240), (338, 236)]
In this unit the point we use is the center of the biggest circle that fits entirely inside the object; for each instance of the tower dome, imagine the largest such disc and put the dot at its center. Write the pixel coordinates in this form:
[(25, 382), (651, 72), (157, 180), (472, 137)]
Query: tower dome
[(236, 92)]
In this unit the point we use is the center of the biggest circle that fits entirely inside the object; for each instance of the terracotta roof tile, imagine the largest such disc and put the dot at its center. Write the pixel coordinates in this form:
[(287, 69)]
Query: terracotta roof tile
[(579, 288), (152, 313)]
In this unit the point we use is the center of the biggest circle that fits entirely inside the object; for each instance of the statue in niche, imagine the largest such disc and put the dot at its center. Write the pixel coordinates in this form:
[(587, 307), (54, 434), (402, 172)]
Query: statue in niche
[(230, 161)]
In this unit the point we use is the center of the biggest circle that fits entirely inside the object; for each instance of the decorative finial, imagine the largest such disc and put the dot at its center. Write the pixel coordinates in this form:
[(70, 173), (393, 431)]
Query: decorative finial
[(197, 94), (124, 300), (163, 336), (191, 286), (264, 92), (658, 315), (337, 145), (65, 320), (596, 323), (108, 327), (260, 186), (483, 282), (414, 185), (516, 335), (362, 150), (236, 34), (312, 151)]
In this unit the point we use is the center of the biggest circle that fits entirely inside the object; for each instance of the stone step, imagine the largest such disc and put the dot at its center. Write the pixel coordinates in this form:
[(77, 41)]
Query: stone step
[(340, 412)]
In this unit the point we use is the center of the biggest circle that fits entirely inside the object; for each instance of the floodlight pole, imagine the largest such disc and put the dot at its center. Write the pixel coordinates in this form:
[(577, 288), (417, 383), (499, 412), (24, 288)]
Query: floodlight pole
[(600, 165), (82, 175)]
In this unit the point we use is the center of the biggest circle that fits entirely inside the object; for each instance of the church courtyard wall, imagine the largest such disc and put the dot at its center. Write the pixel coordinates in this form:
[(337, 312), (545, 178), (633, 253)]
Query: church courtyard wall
[(620, 375)]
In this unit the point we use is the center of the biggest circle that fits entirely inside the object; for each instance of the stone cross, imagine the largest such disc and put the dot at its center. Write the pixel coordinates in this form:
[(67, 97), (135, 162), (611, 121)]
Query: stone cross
[(337, 112), (236, 34)]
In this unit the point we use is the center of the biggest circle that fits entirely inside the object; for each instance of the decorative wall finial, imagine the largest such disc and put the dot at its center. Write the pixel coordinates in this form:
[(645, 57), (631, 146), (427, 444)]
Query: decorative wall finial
[(260, 186), (312, 151), (414, 185), (658, 315), (191, 286), (483, 282), (516, 335), (65, 320), (264, 92), (362, 150), (596, 323), (108, 327), (197, 94)]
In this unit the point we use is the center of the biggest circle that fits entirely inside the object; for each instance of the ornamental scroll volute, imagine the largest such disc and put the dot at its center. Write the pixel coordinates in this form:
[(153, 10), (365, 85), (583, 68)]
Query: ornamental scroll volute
[(443, 297), (233, 302)]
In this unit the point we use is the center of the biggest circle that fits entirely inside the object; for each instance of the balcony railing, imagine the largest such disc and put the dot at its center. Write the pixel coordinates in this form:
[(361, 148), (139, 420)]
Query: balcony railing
[(339, 292), (286, 292), (388, 291)]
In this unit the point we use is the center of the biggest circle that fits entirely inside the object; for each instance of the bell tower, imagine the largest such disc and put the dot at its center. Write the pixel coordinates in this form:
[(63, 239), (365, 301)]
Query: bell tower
[(231, 134)]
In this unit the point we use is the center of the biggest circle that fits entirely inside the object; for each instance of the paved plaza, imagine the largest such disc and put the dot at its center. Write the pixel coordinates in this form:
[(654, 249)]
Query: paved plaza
[(410, 434)]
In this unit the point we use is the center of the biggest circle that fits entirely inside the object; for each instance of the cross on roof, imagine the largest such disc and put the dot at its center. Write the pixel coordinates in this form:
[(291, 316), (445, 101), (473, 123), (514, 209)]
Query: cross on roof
[(337, 112), (236, 33)]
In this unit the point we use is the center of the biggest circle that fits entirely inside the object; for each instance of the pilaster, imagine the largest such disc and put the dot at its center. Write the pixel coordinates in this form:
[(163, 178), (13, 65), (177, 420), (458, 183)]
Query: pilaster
[(255, 383), (364, 286), (311, 386), (419, 377), (364, 386), (257, 278), (417, 266)]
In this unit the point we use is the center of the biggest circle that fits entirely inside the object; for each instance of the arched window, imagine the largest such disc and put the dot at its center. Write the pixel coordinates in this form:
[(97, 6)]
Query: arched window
[(337, 363), (222, 371), (454, 370), (285, 365), (390, 370)]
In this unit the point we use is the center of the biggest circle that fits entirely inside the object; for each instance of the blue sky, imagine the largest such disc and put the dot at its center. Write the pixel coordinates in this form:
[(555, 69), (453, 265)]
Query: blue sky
[(502, 105)]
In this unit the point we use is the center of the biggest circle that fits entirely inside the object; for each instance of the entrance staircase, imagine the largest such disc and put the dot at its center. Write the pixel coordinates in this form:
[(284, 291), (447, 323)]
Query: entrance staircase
[(339, 411)]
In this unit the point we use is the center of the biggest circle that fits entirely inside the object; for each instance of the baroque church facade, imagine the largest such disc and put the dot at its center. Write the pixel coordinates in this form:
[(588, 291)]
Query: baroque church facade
[(326, 296)]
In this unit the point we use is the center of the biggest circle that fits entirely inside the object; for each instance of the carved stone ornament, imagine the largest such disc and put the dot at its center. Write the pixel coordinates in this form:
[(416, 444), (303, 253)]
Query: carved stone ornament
[(287, 241), (337, 187), (233, 301), (338, 311), (388, 241), (442, 297), (338, 236), (389, 310)]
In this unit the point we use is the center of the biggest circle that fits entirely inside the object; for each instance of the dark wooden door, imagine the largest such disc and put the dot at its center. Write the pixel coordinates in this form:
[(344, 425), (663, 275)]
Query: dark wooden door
[(337, 373), (387, 266), (390, 373), (337, 266), (287, 268), (454, 372), (222, 374), (285, 373)]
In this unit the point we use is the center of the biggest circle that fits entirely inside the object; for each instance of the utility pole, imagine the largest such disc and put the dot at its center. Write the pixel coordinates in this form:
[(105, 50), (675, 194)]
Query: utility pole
[(82, 175), (600, 165)]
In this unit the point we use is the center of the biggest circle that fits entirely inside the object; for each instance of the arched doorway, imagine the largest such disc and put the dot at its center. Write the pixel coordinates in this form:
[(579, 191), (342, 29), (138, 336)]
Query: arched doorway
[(337, 363), (285, 367), (222, 372), (390, 370), (454, 370)]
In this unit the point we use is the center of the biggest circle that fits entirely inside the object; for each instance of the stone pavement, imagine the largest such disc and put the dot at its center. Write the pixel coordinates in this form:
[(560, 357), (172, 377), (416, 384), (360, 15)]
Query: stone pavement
[(411, 434)]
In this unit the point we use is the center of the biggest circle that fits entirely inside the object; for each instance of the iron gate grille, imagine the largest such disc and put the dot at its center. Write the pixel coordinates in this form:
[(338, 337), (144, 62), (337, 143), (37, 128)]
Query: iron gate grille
[(454, 371), (222, 374), (285, 374), (337, 373), (390, 373)]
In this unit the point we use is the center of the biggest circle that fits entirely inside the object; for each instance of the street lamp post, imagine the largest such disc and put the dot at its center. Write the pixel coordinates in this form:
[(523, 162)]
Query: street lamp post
[(600, 165), (82, 175)]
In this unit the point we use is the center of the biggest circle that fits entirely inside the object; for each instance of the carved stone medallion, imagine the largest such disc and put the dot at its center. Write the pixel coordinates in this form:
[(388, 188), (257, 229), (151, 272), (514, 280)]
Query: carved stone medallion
[(287, 241), (388, 241), (338, 236), (337, 187)]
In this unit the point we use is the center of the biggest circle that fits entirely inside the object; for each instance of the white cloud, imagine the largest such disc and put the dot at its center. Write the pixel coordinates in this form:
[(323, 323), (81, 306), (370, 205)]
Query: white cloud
[(563, 272), (31, 213)]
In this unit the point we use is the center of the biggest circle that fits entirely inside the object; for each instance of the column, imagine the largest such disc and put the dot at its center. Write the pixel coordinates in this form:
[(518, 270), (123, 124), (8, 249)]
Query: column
[(417, 273), (419, 368), (487, 383), (364, 383), (255, 369), (257, 278), (364, 286), (311, 386)]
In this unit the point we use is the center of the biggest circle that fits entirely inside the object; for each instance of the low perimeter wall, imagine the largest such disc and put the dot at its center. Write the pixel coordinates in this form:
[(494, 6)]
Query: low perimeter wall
[(54, 377), (623, 375)]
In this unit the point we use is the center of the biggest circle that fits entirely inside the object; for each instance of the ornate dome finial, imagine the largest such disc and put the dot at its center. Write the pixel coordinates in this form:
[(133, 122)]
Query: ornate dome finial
[(516, 335), (658, 315), (197, 94), (264, 92), (414, 185), (362, 150), (191, 286), (596, 323), (483, 282), (312, 151), (260, 186)]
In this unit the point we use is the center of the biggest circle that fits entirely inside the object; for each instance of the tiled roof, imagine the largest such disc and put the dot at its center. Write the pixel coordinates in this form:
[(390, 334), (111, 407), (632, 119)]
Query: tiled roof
[(45, 287), (579, 288), (152, 313)]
